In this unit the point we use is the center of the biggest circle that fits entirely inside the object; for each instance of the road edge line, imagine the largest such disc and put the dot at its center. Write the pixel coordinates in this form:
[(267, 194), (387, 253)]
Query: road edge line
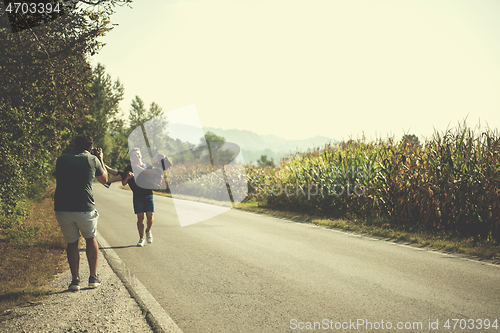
[(156, 316)]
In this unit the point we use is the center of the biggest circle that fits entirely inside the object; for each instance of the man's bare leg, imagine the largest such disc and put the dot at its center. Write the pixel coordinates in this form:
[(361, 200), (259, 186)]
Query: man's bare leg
[(92, 251), (140, 225), (149, 221), (73, 255)]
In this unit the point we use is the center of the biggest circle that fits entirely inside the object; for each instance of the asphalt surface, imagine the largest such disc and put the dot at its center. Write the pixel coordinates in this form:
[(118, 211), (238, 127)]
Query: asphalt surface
[(244, 272)]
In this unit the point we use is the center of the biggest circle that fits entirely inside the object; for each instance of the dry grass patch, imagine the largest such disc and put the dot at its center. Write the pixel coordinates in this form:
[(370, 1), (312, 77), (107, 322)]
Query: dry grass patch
[(31, 257)]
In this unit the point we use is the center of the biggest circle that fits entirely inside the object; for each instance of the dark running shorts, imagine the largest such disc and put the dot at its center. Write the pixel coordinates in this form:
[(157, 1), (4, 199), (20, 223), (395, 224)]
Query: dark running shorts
[(142, 205)]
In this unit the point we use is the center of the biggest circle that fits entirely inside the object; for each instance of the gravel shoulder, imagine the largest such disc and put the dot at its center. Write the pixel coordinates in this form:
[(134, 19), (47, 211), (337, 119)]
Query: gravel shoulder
[(108, 308)]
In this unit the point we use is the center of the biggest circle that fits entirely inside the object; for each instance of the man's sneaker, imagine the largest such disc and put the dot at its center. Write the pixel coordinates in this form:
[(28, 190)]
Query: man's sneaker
[(141, 242), (75, 285), (149, 237), (94, 282), (107, 185)]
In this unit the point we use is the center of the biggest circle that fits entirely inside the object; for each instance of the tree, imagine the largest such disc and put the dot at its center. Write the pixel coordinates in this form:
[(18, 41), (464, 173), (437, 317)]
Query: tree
[(214, 142), (212, 137), (264, 162), (411, 139), (70, 32), (104, 107), (137, 113), (44, 96), (116, 152), (156, 126), (153, 125)]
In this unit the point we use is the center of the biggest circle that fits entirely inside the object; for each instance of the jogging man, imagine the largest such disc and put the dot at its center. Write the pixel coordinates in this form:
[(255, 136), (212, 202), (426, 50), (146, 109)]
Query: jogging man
[(143, 197)]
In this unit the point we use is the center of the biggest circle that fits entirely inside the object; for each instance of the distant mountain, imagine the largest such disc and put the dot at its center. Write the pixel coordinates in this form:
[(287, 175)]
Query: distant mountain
[(254, 145), (185, 133)]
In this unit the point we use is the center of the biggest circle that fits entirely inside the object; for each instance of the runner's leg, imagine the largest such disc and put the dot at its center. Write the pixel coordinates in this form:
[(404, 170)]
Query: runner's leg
[(140, 224)]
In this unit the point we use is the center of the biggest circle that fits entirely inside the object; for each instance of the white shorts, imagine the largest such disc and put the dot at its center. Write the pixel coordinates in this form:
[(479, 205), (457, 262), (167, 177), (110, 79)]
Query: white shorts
[(72, 223)]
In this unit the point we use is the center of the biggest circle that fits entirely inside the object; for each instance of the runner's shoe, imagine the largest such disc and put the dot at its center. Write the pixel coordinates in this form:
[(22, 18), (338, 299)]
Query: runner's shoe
[(94, 282), (107, 185), (141, 242), (75, 285), (149, 237)]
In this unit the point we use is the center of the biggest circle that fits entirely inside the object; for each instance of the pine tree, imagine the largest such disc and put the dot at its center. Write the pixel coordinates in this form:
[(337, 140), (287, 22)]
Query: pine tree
[(105, 105)]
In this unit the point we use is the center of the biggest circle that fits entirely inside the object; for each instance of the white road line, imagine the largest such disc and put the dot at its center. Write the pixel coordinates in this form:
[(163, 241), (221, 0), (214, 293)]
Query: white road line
[(155, 314), (376, 239), (415, 248)]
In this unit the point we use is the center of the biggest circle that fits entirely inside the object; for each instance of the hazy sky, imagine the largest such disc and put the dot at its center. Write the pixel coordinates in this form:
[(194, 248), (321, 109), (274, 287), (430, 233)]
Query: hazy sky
[(297, 69)]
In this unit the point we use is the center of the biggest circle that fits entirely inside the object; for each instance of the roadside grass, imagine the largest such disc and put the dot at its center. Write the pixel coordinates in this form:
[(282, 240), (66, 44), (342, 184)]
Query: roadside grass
[(31, 257), (419, 238)]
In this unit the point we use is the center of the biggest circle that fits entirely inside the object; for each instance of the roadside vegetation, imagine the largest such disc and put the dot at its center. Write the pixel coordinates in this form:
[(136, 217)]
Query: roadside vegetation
[(31, 257), (444, 193), (49, 93)]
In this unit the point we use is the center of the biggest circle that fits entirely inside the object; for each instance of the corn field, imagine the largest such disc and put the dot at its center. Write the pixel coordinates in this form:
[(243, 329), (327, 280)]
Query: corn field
[(450, 183)]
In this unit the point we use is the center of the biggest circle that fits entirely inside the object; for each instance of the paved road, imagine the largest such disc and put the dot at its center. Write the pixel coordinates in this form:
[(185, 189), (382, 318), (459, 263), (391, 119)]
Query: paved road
[(243, 272)]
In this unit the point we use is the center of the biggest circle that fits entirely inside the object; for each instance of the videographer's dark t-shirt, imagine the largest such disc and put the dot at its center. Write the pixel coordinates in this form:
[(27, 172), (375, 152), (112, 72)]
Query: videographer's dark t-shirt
[(139, 192), (75, 172)]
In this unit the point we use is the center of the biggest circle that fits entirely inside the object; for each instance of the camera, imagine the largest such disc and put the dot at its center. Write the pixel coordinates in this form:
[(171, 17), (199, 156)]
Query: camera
[(94, 151)]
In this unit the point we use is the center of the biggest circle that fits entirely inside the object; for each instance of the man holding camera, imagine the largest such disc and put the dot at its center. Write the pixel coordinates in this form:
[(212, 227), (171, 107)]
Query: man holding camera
[(74, 204)]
